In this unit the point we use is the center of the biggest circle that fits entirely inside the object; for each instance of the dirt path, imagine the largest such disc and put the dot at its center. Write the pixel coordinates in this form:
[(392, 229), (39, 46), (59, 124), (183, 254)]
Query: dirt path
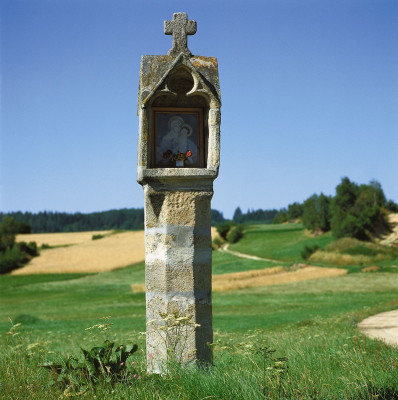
[(382, 326), (242, 255), (391, 238)]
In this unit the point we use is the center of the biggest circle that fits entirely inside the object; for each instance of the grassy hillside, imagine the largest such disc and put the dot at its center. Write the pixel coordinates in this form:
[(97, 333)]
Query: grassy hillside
[(285, 242), (281, 242), (225, 263), (312, 324)]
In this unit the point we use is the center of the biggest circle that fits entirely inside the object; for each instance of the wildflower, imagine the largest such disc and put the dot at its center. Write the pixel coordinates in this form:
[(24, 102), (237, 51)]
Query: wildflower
[(132, 362), (134, 375), (122, 363)]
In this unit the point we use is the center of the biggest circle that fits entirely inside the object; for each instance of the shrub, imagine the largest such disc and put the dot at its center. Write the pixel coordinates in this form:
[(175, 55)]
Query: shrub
[(12, 259), (224, 228), (103, 362), (235, 234), (217, 243), (28, 248), (308, 251), (280, 217), (13, 255), (96, 237)]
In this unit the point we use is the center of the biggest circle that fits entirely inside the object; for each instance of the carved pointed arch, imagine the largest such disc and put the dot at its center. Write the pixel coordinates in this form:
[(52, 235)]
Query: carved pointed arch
[(201, 86)]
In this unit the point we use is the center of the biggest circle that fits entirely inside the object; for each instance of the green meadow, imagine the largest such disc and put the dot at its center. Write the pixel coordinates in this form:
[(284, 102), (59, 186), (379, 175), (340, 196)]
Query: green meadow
[(280, 242), (292, 341)]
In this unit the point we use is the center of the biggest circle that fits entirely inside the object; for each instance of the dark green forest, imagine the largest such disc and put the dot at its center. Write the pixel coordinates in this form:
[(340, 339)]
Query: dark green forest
[(356, 210), (49, 221)]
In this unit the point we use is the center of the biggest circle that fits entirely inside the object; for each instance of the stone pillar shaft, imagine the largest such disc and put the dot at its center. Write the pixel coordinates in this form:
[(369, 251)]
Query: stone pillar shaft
[(178, 271)]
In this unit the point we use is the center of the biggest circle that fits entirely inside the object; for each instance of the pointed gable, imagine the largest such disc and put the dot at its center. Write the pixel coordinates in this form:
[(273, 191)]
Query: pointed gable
[(155, 71)]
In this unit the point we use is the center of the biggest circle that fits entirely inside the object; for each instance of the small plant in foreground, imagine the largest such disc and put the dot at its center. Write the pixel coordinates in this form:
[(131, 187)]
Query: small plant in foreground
[(174, 330), (103, 362), (274, 369)]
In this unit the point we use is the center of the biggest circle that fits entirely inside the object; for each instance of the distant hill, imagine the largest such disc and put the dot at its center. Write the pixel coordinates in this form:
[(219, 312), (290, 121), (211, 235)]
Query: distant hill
[(126, 218)]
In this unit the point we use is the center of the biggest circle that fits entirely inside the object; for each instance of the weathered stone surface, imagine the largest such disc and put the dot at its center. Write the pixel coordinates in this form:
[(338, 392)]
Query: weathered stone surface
[(180, 27), (178, 200), (178, 269), (155, 70)]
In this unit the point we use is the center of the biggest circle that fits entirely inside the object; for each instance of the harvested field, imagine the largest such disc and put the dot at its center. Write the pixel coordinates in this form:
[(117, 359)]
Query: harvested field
[(85, 255), (265, 277), (271, 276), (115, 251), (61, 238)]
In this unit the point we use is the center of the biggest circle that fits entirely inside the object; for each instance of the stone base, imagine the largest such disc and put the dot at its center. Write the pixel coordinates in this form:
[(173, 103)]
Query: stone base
[(178, 275)]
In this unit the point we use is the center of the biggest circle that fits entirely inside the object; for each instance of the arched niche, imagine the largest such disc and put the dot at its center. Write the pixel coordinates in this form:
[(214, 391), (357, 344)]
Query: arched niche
[(179, 92)]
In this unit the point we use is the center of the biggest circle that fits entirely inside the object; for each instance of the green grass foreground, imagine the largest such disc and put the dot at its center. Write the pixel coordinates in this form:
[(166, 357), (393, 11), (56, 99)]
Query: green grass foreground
[(311, 325)]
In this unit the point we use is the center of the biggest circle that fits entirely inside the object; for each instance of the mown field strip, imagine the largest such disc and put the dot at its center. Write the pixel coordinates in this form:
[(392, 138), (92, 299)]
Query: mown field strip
[(264, 277), (271, 276)]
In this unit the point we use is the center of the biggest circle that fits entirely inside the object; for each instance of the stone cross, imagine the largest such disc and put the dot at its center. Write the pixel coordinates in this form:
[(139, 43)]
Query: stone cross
[(180, 27)]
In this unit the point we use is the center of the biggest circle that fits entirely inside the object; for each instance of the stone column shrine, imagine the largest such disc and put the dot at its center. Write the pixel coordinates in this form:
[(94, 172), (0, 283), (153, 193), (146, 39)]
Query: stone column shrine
[(178, 159)]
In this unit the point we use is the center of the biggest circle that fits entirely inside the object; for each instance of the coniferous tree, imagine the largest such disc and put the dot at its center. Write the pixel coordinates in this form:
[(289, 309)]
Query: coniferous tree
[(237, 215)]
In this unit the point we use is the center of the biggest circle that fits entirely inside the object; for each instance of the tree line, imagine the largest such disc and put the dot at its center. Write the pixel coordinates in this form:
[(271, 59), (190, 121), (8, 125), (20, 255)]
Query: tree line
[(48, 221), (356, 210)]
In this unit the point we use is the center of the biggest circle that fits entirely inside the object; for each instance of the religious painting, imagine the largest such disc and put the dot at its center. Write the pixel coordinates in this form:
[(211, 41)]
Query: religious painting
[(177, 138)]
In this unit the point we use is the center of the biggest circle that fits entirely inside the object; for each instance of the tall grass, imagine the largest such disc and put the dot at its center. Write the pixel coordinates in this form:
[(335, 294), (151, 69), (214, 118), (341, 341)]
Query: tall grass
[(311, 324), (325, 359)]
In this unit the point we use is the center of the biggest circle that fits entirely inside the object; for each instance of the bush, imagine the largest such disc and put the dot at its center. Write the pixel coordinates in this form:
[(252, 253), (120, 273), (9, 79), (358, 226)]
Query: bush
[(308, 251), (108, 362), (12, 259), (13, 255), (96, 237), (235, 234), (28, 248), (217, 243), (224, 228), (280, 217)]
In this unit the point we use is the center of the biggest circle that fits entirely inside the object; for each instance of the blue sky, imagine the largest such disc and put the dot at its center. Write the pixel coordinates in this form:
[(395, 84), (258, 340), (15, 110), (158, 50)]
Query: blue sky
[(309, 91)]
